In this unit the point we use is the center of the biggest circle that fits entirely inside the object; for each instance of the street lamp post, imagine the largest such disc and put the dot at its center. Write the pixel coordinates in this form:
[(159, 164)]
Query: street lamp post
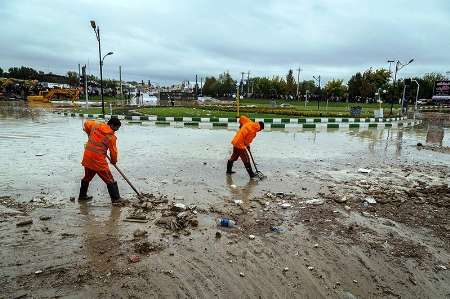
[(97, 35), (417, 96), (320, 92), (398, 67)]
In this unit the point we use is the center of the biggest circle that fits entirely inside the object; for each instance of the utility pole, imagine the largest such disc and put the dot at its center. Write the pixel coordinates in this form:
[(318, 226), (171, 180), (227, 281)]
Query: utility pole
[(390, 64), (196, 87), (320, 92), (242, 82), (120, 79), (79, 74), (398, 67), (298, 82), (248, 83), (85, 84)]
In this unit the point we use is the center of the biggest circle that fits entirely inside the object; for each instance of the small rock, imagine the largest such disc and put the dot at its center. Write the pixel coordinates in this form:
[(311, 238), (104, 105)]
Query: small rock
[(45, 217), (238, 201), (39, 154), (193, 222), (218, 235), (233, 186), (285, 269), (310, 268), (179, 207), (204, 163), (285, 205), (315, 201), (347, 208), (38, 272), (442, 267), (355, 281), (304, 188), (241, 274), (139, 233), (340, 199), (370, 200), (366, 214), (316, 245), (364, 170), (72, 198), (252, 237), (25, 222)]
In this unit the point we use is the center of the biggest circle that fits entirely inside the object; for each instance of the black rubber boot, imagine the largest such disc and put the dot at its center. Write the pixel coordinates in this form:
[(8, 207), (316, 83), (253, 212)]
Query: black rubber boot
[(230, 167), (113, 191), (249, 170), (83, 191)]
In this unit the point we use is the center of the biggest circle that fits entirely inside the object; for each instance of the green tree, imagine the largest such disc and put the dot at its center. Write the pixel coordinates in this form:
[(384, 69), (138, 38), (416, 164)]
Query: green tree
[(210, 87), (72, 78), (335, 88), (291, 86), (427, 84), (1, 72), (25, 73), (355, 85), (226, 85)]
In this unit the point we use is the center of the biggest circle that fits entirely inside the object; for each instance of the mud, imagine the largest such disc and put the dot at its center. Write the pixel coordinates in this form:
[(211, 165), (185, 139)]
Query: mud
[(327, 242)]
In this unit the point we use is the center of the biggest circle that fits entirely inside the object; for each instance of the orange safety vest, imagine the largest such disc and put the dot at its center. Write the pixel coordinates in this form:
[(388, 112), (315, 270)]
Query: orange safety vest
[(246, 133), (101, 138)]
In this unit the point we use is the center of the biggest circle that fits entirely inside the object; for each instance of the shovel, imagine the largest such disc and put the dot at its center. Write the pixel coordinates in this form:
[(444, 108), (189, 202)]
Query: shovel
[(140, 195), (258, 173)]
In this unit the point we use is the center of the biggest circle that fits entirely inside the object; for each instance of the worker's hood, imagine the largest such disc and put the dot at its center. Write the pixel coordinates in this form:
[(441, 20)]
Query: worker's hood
[(105, 129), (255, 127), (243, 120)]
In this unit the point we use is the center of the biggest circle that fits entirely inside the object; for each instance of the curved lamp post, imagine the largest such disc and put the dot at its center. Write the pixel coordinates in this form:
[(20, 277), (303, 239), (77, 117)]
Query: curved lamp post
[(97, 35)]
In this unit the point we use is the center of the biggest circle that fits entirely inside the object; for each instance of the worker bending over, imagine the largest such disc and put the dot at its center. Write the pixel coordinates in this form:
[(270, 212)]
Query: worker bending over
[(101, 139), (241, 141)]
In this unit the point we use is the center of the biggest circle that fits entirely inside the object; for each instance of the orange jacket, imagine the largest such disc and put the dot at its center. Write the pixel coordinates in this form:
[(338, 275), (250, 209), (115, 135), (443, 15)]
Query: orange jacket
[(246, 133), (101, 138)]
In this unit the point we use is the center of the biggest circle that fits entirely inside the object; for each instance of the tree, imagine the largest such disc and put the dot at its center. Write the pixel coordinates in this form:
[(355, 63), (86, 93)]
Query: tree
[(72, 78), (1, 72), (291, 86), (210, 86), (354, 85), (335, 88), (427, 84), (226, 85), (25, 73)]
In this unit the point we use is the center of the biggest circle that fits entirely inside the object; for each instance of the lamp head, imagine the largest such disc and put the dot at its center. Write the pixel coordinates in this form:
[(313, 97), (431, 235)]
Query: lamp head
[(110, 53), (411, 61), (93, 24)]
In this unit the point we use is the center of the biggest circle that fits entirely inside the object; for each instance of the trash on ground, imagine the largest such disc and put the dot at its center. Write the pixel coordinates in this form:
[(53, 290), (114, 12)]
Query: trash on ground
[(364, 170), (134, 258), (225, 222)]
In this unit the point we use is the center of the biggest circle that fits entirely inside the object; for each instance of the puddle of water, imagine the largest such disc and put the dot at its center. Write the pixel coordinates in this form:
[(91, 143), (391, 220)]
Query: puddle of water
[(41, 156)]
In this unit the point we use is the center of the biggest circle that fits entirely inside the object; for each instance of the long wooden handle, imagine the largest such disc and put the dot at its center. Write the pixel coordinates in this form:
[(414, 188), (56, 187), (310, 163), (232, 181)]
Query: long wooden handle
[(252, 159), (124, 176)]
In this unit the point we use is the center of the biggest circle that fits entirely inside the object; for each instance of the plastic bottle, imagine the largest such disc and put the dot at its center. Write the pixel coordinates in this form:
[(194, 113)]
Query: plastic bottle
[(226, 222)]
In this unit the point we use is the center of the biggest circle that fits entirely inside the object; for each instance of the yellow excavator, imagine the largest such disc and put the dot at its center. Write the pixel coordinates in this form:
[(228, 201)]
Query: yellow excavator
[(46, 96)]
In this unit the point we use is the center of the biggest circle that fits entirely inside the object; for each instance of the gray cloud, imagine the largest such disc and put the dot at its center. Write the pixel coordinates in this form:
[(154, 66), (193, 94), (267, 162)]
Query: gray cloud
[(170, 41)]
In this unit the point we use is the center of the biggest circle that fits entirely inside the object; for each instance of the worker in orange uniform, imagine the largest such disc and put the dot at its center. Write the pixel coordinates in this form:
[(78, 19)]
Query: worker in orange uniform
[(101, 139), (241, 141)]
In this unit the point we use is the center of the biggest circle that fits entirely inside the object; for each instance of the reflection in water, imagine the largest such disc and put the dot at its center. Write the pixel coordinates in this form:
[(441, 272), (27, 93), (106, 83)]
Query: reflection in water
[(435, 135), (398, 144), (241, 193), (101, 238)]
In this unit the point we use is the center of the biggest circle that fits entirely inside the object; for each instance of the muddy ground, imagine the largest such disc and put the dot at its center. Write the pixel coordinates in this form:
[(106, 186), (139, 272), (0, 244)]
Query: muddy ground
[(359, 214), (340, 233)]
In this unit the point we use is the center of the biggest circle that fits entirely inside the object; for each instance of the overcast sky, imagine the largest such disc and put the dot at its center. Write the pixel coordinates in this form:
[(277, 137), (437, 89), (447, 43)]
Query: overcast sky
[(169, 40)]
